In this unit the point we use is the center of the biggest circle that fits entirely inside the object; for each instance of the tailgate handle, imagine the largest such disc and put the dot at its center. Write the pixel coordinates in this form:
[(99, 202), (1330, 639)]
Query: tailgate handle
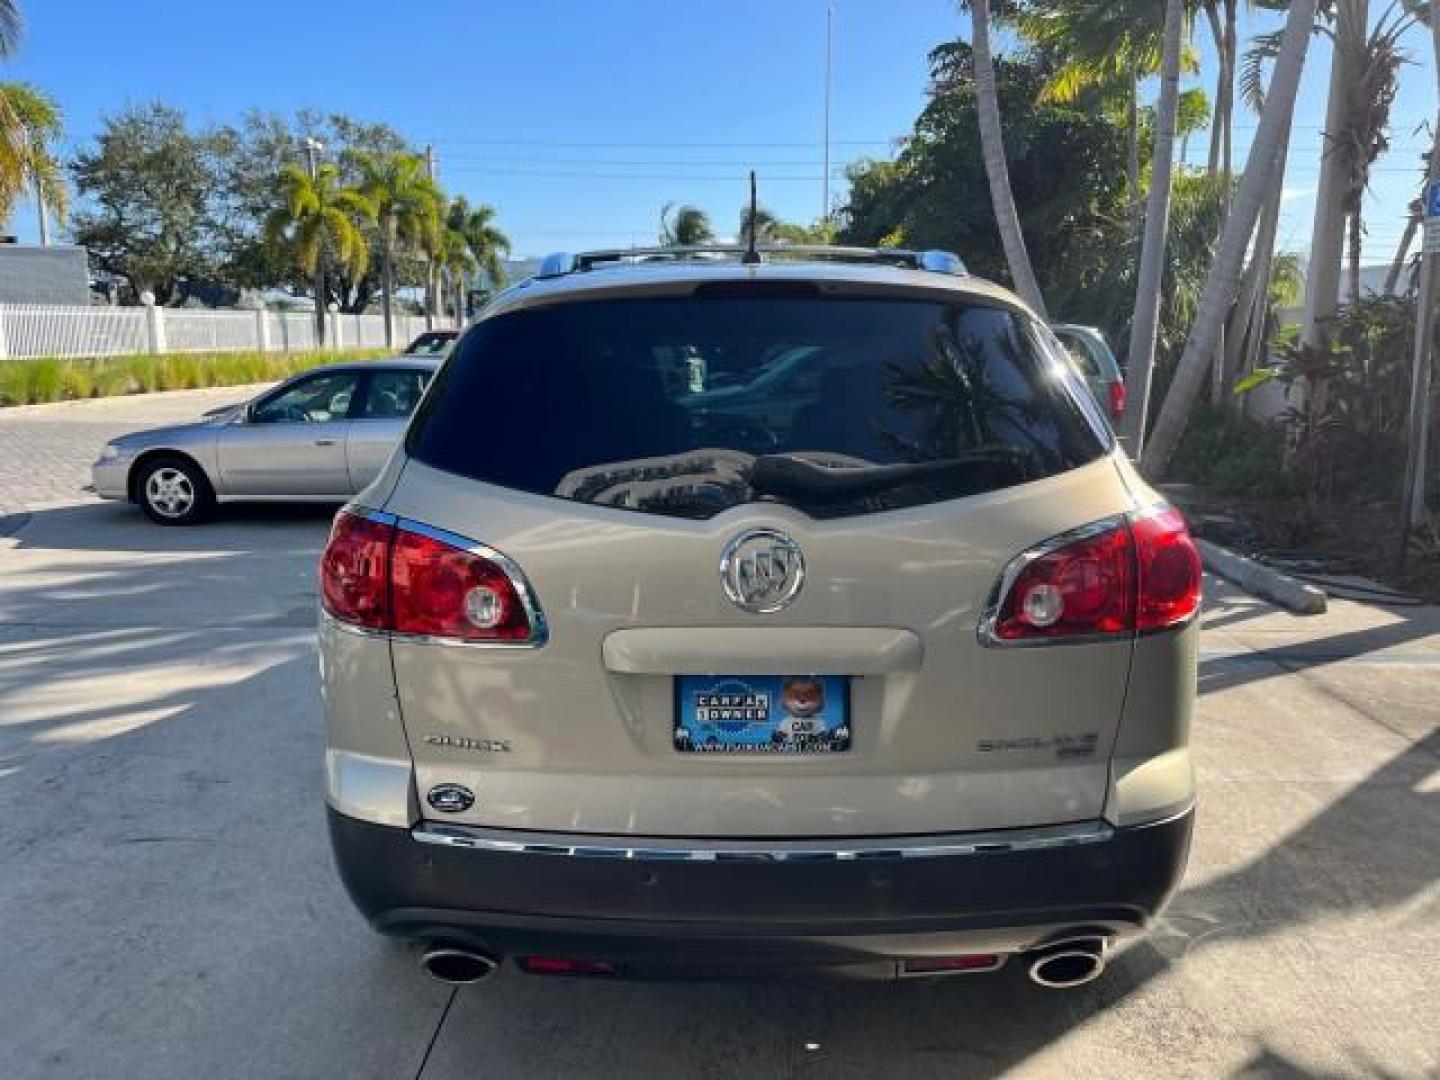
[(776, 650)]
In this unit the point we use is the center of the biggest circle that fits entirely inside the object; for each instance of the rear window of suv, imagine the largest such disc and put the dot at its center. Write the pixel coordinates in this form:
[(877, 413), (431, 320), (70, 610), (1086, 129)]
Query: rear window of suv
[(687, 406)]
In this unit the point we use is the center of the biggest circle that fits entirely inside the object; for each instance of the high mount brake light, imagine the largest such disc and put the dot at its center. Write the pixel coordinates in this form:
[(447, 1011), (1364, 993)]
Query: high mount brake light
[(398, 577), (1128, 574)]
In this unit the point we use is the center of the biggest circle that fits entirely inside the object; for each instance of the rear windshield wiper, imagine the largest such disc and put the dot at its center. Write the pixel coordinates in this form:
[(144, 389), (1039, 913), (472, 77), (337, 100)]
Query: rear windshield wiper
[(786, 477)]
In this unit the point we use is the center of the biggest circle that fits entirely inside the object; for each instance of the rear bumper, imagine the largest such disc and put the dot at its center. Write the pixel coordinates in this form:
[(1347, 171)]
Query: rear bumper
[(653, 913)]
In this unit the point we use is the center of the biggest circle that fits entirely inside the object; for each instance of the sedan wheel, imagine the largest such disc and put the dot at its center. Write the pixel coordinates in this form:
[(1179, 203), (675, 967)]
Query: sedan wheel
[(174, 493)]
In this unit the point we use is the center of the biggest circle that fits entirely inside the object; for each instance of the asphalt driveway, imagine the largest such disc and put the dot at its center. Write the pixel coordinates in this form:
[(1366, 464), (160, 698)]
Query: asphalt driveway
[(168, 907)]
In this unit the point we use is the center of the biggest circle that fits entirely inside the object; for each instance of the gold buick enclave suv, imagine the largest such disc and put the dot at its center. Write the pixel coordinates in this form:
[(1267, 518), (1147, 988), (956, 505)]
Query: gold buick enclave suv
[(732, 612)]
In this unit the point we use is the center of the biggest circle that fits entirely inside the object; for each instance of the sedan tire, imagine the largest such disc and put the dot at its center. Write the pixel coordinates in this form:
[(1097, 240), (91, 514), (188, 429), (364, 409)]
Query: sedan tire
[(174, 491)]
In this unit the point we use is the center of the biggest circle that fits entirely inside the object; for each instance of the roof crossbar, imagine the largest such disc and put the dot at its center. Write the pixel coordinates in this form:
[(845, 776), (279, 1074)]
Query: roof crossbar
[(942, 262)]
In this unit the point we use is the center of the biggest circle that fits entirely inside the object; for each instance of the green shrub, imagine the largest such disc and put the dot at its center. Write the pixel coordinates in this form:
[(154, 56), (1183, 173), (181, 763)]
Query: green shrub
[(111, 381), (76, 381), (46, 381), (27, 382), (1233, 455)]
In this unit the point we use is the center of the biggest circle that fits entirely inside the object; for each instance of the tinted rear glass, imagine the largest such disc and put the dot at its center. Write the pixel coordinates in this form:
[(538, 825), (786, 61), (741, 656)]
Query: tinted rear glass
[(690, 405)]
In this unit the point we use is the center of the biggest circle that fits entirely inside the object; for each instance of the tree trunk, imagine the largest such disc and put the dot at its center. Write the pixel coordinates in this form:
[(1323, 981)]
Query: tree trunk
[(1402, 254), (1414, 499), (1327, 239), (320, 297), (1354, 247), (1260, 173), (1246, 334), (432, 297), (1217, 119), (1132, 163), (997, 172), (1229, 54), (388, 284), (1145, 322)]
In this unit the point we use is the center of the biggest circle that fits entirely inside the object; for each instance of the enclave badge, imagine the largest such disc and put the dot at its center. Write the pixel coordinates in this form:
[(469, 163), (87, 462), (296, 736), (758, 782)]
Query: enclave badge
[(450, 798)]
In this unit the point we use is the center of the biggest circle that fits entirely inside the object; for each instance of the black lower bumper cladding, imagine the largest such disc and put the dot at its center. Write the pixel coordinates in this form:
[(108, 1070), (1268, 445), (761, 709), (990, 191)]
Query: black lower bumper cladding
[(801, 914)]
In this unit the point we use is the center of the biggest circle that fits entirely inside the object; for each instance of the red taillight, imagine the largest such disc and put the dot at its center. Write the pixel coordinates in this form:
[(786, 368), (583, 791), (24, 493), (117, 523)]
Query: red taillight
[(443, 591), (386, 576), (355, 572), (1134, 574), (1169, 570), (1117, 400), (1085, 587)]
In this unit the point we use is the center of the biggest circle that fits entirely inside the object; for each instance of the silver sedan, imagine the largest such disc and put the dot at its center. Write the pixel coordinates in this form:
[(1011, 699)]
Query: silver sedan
[(321, 436)]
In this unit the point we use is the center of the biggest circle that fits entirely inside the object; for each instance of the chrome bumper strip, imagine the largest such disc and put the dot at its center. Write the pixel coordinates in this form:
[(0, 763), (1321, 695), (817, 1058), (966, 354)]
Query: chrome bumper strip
[(839, 850)]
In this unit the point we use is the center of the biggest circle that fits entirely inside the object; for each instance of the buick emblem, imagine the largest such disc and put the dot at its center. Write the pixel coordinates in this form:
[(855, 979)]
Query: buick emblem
[(450, 798), (762, 570)]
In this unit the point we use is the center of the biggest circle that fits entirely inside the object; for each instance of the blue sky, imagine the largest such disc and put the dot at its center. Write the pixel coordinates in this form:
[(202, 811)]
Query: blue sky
[(578, 120)]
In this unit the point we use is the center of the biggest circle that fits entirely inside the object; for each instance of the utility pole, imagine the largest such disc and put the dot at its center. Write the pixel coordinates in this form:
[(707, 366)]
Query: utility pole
[(829, 67), (1413, 499), (430, 160), (313, 149)]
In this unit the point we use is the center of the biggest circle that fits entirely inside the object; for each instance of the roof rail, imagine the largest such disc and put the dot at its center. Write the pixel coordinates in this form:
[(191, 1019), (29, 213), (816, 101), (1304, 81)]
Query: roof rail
[(939, 262)]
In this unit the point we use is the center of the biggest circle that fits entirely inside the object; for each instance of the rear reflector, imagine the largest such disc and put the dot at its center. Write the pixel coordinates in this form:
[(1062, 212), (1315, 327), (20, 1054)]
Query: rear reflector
[(563, 965), (1117, 400), (407, 579), (938, 965), (1133, 573)]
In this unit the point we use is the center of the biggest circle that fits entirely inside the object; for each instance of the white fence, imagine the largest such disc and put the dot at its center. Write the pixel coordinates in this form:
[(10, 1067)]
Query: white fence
[(33, 330)]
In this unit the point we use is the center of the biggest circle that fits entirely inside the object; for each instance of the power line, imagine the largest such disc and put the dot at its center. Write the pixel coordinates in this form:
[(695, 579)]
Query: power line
[(665, 145)]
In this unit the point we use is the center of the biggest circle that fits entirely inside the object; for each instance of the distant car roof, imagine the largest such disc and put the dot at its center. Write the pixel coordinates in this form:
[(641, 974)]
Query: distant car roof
[(406, 363)]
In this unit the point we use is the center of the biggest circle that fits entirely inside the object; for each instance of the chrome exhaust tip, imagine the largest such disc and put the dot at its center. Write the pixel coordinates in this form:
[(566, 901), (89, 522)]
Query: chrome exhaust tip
[(455, 965), (1067, 964)]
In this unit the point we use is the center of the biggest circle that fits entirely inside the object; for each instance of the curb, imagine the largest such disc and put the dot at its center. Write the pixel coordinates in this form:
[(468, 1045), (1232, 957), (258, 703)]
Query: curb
[(1262, 581)]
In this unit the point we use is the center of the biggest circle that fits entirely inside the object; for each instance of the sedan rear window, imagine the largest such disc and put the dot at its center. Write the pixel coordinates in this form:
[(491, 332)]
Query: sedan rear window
[(687, 406)]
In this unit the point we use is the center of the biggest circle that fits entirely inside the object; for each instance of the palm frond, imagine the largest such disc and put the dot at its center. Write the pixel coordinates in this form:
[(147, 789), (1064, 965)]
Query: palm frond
[(1263, 49)]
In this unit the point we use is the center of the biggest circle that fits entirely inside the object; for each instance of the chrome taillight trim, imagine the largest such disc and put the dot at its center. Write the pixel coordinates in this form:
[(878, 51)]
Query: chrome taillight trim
[(534, 614), (1016, 566), (848, 849)]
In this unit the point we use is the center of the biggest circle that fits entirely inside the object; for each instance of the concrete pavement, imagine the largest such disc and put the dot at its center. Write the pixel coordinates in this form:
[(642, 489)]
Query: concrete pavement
[(168, 907)]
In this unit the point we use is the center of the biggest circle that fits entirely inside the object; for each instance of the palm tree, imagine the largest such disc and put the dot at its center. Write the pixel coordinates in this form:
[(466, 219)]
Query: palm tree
[(487, 243), (684, 226), (31, 123), (1157, 222), (1348, 32), (407, 209), (1104, 48), (997, 172), (10, 27), (1369, 125), (457, 263), (770, 229), (318, 215), (1224, 277)]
